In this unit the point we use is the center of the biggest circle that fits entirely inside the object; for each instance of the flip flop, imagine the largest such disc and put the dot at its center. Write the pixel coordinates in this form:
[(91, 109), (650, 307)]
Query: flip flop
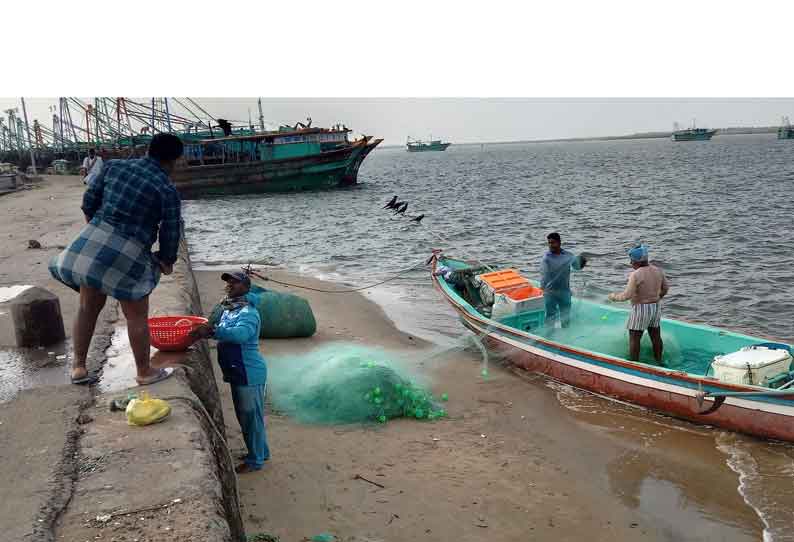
[(88, 379), (161, 374)]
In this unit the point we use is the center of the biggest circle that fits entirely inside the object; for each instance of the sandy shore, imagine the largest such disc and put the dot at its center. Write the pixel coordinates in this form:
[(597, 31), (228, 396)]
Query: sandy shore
[(519, 458)]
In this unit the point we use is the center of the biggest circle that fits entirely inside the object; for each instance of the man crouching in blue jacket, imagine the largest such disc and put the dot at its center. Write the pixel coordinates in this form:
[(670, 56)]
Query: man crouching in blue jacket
[(243, 367)]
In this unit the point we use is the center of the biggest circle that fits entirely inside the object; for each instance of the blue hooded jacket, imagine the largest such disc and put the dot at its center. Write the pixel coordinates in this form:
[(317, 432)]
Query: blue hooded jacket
[(237, 334), (555, 271)]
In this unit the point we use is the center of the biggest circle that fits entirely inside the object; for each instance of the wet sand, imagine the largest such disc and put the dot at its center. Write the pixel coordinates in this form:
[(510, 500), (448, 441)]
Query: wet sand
[(519, 457)]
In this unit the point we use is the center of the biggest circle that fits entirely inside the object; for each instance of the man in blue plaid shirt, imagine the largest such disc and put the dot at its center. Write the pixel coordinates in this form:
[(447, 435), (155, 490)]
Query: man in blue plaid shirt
[(127, 207)]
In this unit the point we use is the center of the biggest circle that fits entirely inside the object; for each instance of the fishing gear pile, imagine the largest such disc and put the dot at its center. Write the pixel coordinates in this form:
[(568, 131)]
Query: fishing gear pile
[(283, 315), (346, 383)]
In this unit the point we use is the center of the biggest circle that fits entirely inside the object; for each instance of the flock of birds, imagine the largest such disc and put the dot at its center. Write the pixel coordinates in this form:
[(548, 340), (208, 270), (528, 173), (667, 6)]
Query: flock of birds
[(399, 208)]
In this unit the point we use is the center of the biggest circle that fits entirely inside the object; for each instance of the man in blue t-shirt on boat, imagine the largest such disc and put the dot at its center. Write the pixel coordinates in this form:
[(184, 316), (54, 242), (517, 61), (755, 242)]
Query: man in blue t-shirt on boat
[(555, 272)]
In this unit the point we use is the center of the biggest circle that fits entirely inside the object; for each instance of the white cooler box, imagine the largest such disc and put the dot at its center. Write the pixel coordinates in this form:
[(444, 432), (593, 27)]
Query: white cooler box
[(751, 365), (506, 306)]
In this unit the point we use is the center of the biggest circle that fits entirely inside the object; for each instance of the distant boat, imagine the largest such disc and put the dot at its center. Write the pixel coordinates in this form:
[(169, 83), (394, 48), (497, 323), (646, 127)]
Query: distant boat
[(414, 145), (786, 131), (692, 134)]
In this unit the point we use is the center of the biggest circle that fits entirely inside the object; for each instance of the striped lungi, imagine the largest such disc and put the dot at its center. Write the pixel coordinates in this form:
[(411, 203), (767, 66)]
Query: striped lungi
[(102, 258), (644, 316)]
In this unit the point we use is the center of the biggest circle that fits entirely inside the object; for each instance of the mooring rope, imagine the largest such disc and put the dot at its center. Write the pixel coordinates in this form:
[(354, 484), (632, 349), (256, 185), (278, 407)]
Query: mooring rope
[(346, 291)]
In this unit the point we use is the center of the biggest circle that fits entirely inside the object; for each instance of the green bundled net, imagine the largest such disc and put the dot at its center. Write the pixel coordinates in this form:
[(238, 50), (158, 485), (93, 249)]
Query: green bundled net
[(347, 383)]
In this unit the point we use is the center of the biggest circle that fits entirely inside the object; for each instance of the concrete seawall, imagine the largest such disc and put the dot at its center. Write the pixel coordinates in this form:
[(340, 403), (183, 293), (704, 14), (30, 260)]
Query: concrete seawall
[(170, 481), (73, 470)]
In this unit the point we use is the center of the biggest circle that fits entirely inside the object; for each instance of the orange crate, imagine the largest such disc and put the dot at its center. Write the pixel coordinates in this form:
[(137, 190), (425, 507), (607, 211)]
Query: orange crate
[(502, 281), (523, 293)]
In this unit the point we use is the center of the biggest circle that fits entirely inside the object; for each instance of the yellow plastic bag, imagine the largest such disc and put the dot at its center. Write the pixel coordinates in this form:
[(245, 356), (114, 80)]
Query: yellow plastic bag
[(146, 410)]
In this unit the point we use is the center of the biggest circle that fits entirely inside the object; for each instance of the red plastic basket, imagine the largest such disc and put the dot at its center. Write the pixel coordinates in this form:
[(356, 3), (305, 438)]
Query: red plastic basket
[(170, 333)]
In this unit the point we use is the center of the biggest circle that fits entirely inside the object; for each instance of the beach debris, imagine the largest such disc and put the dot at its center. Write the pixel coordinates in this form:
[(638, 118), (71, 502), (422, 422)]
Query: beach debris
[(359, 477), (323, 537), (104, 518), (262, 537), (120, 403), (34, 244), (146, 410), (83, 419)]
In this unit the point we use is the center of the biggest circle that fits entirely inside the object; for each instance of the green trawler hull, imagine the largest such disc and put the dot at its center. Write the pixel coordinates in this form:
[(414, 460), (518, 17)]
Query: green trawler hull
[(428, 147), (307, 159), (694, 134)]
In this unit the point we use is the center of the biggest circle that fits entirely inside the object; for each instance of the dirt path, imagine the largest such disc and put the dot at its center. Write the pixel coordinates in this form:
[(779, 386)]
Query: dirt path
[(512, 461)]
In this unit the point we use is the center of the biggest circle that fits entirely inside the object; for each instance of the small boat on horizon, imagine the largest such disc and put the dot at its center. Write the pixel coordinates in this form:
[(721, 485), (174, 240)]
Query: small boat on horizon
[(708, 375), (786, 131), (692, 134), (415, 145)]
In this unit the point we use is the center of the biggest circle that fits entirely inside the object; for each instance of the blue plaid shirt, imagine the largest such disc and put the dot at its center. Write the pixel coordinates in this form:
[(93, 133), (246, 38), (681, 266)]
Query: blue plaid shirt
[(135, 197)]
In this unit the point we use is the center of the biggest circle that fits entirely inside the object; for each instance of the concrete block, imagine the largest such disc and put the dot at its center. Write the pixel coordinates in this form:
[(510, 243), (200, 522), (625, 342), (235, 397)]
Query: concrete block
[(37, 317)]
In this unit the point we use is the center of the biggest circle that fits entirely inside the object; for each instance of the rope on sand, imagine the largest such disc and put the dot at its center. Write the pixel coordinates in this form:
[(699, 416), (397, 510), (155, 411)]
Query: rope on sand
[(346, 291)]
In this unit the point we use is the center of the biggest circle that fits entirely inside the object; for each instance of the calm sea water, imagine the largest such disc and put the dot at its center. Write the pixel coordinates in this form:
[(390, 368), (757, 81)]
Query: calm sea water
[(717, 216)]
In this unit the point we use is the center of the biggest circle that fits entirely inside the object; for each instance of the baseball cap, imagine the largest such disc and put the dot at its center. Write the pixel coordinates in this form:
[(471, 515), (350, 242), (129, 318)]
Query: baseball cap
[(238, 276)]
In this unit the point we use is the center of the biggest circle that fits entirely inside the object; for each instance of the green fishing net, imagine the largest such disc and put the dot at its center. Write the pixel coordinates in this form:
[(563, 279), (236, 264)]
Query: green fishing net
[(348, 383)]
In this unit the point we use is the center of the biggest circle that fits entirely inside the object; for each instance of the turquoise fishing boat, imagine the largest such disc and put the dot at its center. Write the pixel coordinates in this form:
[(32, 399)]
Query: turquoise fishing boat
[(414, 145), (785, 131), (708, 375), (692, 134)]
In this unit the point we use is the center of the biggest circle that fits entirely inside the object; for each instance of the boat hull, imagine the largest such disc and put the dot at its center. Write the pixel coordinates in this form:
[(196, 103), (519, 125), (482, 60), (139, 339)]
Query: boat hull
[(670, 392), (699, 136), (331, 169), (428, 148), (785, 133)]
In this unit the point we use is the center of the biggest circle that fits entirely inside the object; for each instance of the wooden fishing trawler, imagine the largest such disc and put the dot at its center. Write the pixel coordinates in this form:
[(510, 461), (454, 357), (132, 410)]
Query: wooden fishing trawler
[(302, 158), (709, 375)]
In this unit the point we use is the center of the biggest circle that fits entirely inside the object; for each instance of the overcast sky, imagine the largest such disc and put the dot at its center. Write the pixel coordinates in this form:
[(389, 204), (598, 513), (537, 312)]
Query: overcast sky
[(471, 120)]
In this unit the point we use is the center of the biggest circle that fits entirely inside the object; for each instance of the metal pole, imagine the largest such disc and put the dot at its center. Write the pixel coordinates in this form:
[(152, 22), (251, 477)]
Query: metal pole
[(261, 116), (167, 114), (60, 121), (30, 142)]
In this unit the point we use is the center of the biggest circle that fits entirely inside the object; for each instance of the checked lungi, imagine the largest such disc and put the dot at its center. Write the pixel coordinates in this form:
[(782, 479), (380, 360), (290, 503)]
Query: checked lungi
[(103, 259)]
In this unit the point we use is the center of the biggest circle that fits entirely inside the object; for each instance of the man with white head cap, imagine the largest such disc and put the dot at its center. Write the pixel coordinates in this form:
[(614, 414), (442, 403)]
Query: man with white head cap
[(646, 287)]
